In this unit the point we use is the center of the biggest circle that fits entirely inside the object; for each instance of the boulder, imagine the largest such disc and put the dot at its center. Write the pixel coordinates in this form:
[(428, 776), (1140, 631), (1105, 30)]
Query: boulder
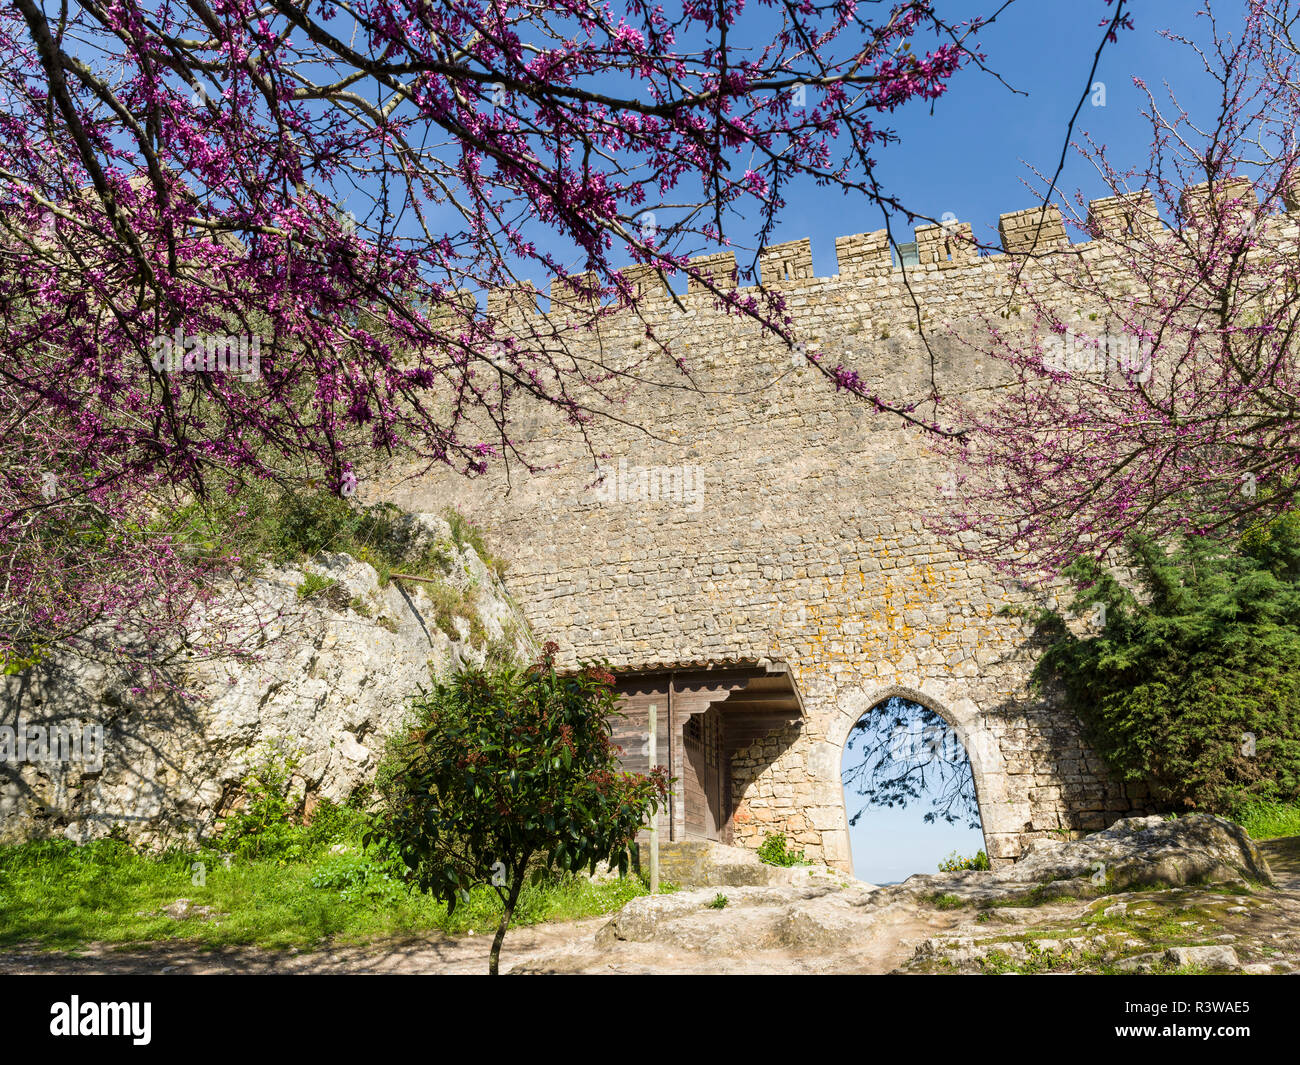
[(1135, 852), (1213, 957)]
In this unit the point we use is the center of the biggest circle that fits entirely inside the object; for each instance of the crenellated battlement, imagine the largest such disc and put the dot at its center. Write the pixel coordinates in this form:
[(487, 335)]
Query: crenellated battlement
[(511, 301), (1121, 216), (782, 264), (950, 245), (1032, 231)]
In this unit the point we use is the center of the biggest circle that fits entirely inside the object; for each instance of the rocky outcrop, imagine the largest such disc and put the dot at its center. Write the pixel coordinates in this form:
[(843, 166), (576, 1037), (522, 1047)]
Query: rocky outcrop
[(792, 916), (1133, 853), (330, 682), (836, 924)]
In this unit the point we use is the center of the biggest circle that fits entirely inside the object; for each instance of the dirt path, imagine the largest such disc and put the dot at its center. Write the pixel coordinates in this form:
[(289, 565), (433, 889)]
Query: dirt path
[(462, 954), (560, 947)]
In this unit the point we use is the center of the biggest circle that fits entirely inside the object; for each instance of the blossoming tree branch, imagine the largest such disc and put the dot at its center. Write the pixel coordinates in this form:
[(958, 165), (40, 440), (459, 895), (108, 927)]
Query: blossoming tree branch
[(250, 236), (1177, 408)]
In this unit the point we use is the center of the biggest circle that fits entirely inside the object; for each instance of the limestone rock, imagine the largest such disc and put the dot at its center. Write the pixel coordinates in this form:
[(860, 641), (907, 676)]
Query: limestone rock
[(1213, 957), (706, 863), (809, 915), (332, 680), (1135, 852)]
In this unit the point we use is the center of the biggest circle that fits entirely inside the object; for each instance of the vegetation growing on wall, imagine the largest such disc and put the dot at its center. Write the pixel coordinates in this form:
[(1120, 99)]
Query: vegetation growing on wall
[(465, 534), (958, 863), (774, 850), (1189, 677)]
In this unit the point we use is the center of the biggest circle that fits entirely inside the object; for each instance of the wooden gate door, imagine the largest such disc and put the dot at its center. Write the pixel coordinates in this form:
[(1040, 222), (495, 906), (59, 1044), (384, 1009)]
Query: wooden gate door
[(703, 776)]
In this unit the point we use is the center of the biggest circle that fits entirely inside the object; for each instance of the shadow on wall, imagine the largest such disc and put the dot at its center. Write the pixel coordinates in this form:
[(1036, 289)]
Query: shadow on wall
[(69, 736), (754, 817)]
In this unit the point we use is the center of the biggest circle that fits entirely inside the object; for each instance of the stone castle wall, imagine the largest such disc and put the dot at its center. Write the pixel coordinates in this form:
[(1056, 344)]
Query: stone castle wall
[(752, 512)]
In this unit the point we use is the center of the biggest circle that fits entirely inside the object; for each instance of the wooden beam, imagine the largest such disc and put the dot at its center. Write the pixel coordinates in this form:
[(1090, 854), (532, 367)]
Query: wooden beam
[(412, 577)]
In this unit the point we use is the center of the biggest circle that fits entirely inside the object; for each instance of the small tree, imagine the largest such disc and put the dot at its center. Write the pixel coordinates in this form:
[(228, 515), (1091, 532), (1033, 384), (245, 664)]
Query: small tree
[(506, 765)]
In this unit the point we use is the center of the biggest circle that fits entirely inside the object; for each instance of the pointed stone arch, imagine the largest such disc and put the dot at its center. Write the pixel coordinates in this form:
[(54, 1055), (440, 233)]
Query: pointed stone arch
[(998, 816)]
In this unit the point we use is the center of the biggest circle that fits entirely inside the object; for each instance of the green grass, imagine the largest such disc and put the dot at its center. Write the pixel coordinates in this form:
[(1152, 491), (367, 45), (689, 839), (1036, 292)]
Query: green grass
[(1269, 820), (61, 896), (268, 880)]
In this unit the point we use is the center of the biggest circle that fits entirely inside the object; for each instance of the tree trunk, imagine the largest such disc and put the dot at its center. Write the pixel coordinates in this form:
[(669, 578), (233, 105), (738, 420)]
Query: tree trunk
[(516, 885)]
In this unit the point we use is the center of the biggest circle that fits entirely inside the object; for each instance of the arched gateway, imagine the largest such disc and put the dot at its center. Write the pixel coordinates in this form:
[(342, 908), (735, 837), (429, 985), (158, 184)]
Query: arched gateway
[(755, 557)]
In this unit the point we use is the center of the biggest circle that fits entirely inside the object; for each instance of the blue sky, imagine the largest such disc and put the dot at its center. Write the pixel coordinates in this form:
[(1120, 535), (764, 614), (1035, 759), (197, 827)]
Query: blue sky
[(973, 155)]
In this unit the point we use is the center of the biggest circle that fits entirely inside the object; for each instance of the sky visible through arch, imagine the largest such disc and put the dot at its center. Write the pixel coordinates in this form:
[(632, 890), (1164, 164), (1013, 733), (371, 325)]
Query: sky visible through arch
[(891, 845), (900, 763)]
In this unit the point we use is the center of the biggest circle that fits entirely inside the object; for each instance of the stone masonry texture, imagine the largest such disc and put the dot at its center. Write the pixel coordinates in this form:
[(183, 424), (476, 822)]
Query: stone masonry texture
[(752, 513)]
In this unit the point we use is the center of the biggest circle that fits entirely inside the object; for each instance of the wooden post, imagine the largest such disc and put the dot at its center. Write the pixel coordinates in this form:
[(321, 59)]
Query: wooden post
[(654, 817)]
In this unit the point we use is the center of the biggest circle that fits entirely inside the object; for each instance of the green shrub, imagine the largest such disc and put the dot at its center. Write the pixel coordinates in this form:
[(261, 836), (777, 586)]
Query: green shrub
[(507, 769), (359, 875), (332, 822), (313, 584), (465, 534), (263, 826), (1192, 684), (283, 524), (773, 851), (956, 863), (450, 603)]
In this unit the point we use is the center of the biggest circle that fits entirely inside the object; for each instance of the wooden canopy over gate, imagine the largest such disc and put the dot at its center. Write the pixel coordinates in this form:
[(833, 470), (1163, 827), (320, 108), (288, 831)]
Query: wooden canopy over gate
[(705, 715)]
